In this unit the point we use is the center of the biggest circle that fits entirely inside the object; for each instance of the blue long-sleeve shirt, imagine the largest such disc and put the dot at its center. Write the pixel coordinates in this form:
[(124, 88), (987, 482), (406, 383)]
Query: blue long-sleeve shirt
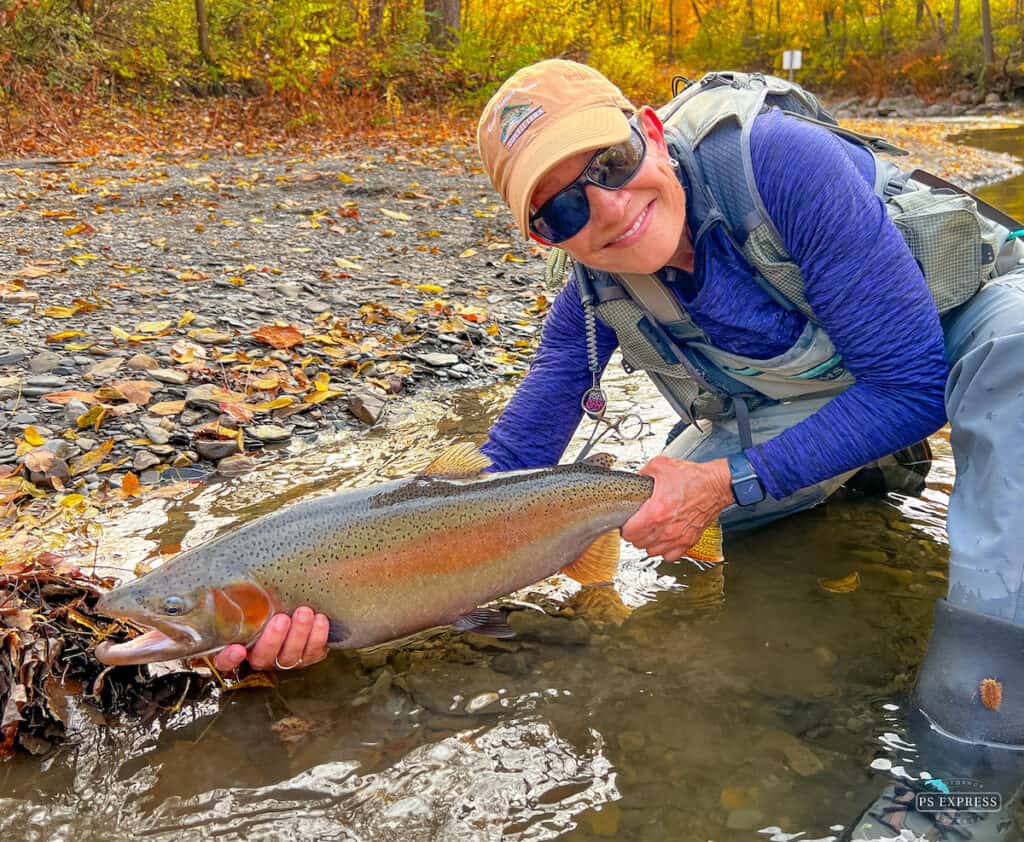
[(863, 285)]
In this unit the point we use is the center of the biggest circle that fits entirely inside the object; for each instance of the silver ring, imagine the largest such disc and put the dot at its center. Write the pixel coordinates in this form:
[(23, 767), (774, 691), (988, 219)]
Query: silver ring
[(281, 666)]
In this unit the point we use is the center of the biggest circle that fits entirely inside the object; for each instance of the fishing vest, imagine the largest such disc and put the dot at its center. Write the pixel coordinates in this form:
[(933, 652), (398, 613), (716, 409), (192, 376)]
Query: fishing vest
[(955, 238)]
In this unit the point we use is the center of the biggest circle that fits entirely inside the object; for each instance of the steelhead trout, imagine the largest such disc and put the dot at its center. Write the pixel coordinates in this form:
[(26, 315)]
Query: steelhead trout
[(389, 560)]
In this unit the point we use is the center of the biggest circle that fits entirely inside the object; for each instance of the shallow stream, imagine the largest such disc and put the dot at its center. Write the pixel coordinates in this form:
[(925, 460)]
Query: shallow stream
[(744, 702)]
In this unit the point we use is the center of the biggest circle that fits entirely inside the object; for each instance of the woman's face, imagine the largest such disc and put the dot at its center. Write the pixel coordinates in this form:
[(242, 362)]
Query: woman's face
[(637, 229)]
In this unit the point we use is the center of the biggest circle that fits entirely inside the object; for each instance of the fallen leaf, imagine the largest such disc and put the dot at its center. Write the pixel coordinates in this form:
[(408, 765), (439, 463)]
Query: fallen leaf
[(402, 217), (90, 460), (130, 485), (33, 437), (846, 584), (279, 337)]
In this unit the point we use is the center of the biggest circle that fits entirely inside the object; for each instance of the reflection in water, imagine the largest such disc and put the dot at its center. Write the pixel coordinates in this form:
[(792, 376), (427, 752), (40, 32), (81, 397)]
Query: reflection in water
[(706, 705)]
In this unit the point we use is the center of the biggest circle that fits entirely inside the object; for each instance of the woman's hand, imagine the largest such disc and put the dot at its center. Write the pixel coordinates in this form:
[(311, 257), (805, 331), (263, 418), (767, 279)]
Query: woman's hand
[(688, 497), (286, 643)]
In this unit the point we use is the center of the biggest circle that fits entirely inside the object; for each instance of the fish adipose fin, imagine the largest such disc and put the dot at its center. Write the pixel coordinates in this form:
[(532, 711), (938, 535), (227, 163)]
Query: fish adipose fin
[(598, 562), (460, 460), (709, 547), (600, 460), (489, 621)]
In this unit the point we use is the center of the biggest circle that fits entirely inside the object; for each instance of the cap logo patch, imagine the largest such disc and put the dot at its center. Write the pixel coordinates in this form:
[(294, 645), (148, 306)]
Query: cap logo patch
[(516, 119)]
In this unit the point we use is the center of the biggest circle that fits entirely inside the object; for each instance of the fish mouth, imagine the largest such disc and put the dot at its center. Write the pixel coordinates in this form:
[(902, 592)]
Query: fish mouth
[(155, 645)]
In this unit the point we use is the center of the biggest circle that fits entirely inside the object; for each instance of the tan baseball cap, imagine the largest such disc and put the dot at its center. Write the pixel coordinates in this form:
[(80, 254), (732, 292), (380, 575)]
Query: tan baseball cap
[(541, 115)]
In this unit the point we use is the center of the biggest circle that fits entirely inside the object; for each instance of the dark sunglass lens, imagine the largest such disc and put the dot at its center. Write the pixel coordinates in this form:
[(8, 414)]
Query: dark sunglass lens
[(563, 215), (614, 166)]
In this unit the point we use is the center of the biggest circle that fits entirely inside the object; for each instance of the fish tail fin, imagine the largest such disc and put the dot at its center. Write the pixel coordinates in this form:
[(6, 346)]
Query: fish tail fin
[(598, 562), (709, 547)]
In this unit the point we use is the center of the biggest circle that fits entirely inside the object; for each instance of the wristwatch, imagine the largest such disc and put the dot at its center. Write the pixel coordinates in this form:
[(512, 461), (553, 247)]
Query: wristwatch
[(746, 485)]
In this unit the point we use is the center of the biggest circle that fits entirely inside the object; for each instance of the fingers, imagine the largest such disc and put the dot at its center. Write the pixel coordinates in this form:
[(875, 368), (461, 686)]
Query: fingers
[(316, 646), (294, 645), (270, 642), (230, 658)]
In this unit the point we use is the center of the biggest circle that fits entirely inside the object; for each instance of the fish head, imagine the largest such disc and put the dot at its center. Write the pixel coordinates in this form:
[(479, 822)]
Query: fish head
[(185, 619)]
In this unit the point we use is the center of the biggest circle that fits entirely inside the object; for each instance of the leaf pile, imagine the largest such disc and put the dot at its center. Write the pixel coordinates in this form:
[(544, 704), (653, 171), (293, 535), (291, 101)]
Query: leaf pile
[(48, 632)]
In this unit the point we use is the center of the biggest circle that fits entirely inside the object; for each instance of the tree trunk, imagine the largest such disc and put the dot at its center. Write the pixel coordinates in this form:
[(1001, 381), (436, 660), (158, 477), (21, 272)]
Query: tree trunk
[(956, 17), (986, 32), (375, 18), (451, 18), (203, 27), (696, 11)]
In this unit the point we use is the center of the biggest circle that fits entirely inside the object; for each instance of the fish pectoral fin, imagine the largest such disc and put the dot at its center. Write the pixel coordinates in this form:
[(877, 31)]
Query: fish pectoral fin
[(600, 460), (489, 621), (339, 632), (709, 547), (598, 562), (459, 460)]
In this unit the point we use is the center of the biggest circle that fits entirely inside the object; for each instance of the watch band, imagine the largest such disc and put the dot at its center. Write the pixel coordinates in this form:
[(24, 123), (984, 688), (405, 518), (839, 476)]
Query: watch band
[(747, 489)]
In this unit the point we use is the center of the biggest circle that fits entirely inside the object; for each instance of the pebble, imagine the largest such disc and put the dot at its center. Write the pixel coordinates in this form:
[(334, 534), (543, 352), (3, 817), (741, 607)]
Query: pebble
[(14, 355), (24, 418), (142, 362), (144, 459), (44, 362), (149, 477), (479, 703), (85, 443), (169, 375), (269, 433), (216, 449), (211, 337), (233, 466), (48, 381), (72, 409), (436, 358), (155, 431), (9, 387), (367, 406)]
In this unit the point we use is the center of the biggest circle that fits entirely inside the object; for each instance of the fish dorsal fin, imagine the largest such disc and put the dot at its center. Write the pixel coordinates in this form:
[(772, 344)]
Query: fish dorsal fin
[(709, 547), (598, 562), (600, 460), (459, 460)]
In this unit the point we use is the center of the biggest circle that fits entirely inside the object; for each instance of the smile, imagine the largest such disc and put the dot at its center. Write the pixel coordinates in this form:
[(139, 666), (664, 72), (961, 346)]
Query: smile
[(635, 228)]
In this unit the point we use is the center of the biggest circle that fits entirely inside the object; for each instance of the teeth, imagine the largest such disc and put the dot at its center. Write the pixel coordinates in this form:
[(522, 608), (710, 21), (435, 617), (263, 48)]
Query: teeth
[(632, 228)]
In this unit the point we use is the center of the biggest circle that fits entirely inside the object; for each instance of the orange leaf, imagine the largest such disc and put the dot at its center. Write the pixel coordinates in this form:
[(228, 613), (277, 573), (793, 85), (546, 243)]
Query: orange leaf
[(130, 485), (88, 461), (279, 337), (70, 395)]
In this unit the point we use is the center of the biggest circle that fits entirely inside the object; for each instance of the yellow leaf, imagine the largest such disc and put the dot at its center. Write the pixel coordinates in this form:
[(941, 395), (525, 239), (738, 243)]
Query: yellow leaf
[(508, 257), (185, 319), (88, 461), (403, 217), (77, 346), (119, 333), (342, 263), (468, 253), (322, 381), (237, 280), (276, 403), (64, 334), (93, 418), (153, 327), (492, 330), (320, 397), (166, 408), (33, 438), (345, 178), (83, 259), (72, 500), (843, 585), (429, 289), (60, 312)]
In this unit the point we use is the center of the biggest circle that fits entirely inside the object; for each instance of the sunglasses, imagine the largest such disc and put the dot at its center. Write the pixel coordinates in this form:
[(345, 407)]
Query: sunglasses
[(564, 214)]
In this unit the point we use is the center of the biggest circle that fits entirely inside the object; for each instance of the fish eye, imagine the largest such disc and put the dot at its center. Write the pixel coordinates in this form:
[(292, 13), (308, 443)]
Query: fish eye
[(174, 605)]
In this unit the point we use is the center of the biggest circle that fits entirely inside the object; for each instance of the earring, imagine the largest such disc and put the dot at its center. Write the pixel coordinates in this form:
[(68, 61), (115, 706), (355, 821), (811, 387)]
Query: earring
[(673, 162)]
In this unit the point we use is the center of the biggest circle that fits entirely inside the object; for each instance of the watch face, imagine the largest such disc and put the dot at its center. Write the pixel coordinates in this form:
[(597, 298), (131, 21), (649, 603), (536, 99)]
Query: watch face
[(748, 491)]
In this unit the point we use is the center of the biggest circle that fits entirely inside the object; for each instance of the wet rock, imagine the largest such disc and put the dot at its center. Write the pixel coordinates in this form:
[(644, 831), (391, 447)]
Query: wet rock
[(378, 692), (317, 306), (44, 362), (169, 375), (22, 419), (992, 98), (40, 384), (367, 406), (512, 663), (873, 556), (745, 818), (801, 759), (149, 477), (142, 362), (269, 433), (481, 702), (183, 459), (144, 459), (549, 629), (216, 449), (235, 466), (190, 417), (85, 443)]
